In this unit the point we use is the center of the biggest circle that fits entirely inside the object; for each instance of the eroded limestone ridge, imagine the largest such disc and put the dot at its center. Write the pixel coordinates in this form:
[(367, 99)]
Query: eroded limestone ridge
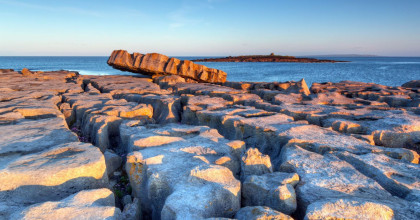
[(125, 147), (158, 64)]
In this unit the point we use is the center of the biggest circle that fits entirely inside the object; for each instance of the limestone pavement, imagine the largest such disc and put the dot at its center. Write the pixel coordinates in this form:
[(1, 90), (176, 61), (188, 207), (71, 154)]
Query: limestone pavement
[(186, 150)]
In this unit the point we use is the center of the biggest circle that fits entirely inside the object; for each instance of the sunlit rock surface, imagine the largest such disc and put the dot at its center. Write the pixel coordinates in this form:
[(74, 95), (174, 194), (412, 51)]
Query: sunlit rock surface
[(348, 209), (87, 204), (259, 213), (184, 149), (182, 171), (154, 63), (274, 190)]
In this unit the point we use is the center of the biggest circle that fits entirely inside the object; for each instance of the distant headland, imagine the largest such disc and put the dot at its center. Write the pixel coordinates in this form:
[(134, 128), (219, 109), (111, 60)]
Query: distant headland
[(267, 58)]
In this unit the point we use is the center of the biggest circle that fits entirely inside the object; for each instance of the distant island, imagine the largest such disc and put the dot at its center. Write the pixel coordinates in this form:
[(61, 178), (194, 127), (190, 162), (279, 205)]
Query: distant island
[(342, 55), (266, 58)]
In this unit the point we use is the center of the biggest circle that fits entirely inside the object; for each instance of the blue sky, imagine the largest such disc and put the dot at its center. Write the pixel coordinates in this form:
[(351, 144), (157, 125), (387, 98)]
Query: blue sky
[(210, 27)]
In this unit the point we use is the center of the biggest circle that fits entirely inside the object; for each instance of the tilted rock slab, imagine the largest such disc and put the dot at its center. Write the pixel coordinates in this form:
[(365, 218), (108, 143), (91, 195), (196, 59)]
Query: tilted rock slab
[(158, 64)]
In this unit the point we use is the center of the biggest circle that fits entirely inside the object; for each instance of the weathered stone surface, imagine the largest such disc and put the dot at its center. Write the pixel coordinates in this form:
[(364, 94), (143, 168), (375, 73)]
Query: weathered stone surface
[(166, 108), (394, 175), (274, 190), (326, 177), (168, 80), (210, 191), (115, 85), (100, 116), (183, 171), (132, 211), (260, 213), (154, 63), (347, 141), (126, 200), (87, 204), (29, 136), (348, 209), (50, 175), (255, 163), (113, 161)]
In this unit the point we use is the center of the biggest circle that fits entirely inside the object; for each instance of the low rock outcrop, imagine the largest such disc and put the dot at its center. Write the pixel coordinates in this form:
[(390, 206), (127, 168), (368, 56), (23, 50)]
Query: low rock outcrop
[(155, 64)]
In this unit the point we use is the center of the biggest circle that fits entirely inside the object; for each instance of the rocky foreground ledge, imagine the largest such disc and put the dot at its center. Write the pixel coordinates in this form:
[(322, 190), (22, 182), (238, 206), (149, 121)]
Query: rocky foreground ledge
[(123, 147)]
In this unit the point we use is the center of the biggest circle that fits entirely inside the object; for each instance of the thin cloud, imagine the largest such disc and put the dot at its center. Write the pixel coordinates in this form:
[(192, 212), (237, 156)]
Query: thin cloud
[(181, 17)]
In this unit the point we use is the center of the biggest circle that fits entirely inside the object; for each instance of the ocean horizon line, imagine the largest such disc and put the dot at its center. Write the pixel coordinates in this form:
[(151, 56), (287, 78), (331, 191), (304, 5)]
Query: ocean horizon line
[(352, 56)]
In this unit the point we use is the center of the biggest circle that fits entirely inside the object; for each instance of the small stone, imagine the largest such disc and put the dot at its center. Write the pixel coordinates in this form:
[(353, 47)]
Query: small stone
[(255, 163), (260, 213), (132, 211), (126, 200), (112, 160), (26, 72), (274, 190)]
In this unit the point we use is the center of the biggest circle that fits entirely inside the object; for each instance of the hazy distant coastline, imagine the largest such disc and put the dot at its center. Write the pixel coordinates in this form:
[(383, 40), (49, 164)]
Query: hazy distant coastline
[(267, 58), (342, 55)]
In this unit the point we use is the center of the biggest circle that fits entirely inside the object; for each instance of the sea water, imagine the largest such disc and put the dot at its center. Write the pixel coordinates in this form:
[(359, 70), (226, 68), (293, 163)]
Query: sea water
[(391, 71)]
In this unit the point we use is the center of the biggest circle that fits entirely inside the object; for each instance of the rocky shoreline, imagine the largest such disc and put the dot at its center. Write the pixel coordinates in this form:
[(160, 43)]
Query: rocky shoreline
[(267, 58), (124, 147)]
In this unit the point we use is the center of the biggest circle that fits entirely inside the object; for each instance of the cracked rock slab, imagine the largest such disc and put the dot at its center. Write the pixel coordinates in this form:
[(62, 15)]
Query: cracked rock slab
[(88, 204)]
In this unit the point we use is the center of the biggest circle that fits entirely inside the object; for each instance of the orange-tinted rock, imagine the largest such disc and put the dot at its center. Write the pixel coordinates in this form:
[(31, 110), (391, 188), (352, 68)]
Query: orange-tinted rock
[(26, 72), (154, 63)]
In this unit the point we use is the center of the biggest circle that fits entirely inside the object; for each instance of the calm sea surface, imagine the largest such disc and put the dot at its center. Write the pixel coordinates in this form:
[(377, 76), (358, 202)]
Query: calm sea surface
[(392, 71)]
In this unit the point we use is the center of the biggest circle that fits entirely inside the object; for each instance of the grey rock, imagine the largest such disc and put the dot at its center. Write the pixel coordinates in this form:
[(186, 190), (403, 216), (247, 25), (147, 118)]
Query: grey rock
[(88, 204), (274, 190), (113, 161), (260, 213), (182, 171), (51, 175), (132, 211), (126, 200), (348, 209), (255, 163)]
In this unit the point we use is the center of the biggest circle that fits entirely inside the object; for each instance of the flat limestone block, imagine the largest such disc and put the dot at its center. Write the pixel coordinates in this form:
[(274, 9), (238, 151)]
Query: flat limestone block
[(401, 178), (29, 136), (52, 174), (210, 191), (88, 204), (348, 209), (326, 177)]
